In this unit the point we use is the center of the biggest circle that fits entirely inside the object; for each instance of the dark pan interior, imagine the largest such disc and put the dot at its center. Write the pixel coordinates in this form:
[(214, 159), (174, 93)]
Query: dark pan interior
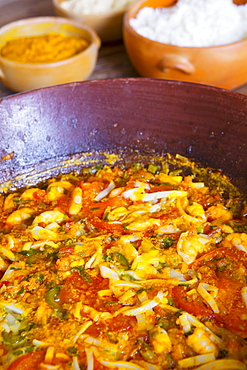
[(41, 129)]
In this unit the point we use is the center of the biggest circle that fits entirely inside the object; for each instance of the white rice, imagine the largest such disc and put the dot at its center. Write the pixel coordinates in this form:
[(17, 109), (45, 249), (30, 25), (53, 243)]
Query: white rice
[(95, 6), (195, 23)]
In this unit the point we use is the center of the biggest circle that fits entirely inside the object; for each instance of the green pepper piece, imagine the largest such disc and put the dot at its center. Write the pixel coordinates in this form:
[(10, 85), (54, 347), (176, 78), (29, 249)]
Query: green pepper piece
[(167, 242), (122, 260), (52, 297), (153, 168)]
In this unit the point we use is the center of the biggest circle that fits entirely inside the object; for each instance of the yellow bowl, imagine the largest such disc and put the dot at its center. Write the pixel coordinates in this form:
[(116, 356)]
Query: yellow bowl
[(26, 76), (108, 25), (222, 66)]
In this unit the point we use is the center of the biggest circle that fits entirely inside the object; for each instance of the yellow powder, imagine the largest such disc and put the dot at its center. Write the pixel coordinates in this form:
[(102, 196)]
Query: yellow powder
[(47, 48)]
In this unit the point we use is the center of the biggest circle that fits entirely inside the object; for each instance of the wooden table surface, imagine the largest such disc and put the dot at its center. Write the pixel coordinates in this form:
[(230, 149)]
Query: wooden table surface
[(113, 61)]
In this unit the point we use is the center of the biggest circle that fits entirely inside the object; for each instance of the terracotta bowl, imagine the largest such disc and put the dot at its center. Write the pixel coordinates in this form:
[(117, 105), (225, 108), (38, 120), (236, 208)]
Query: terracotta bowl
[(108, 26), (222, 66), (135, 117), (24, 76)]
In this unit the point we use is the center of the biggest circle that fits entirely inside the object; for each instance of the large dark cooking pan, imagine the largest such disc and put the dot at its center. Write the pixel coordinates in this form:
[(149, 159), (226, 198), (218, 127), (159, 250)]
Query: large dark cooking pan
[(40, 129)]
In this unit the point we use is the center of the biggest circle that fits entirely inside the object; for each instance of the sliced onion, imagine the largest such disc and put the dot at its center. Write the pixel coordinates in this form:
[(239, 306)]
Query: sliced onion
[(126, 284), (90, 359), (196, 360), (108, 273), (145, 306), (13, 308), (105, 192), (208, 297), (75, 364), (39, 343), (224, 364), (163, 194), (241, 248), (82, 329), (121, 364)]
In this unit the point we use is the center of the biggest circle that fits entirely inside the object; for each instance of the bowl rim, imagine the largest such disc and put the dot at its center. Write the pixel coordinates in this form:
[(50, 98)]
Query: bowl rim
[(136, 7), (51, 19), (109, 14)]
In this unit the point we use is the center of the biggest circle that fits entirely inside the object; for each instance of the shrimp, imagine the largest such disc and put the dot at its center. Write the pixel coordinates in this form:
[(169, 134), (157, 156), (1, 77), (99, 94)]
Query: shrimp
[(3, 264), (191, 244), (146, 265), (218, 213), (41, 233), (49, 217), (238, 240), (57, 189), (66, 263), (43, 313), (29, 194), (20, 215), (10, 201), (196, 210), (76, 201), (160, 340), (201, 343)]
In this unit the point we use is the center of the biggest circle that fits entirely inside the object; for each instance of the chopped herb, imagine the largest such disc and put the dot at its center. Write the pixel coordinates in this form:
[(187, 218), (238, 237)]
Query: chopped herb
[(122, 260), (213, 227), (69, 241), (113, 237), (34, 255), (40, 278), (143, 290), (21, 291), (105, 218), (240, 228), (215, 259), (170, 301), (24, 253), (107, 257), (184, 284), (29, 349), (200, 229), (156, 183), (95, 169), (223, 353), (137, 166), (94, 209), (16, 200), (73, 351), (178, 313), (188, 333), (83, 273), (29, 326), (222, 268), (110, 302), (167, 242), (18, 352)]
